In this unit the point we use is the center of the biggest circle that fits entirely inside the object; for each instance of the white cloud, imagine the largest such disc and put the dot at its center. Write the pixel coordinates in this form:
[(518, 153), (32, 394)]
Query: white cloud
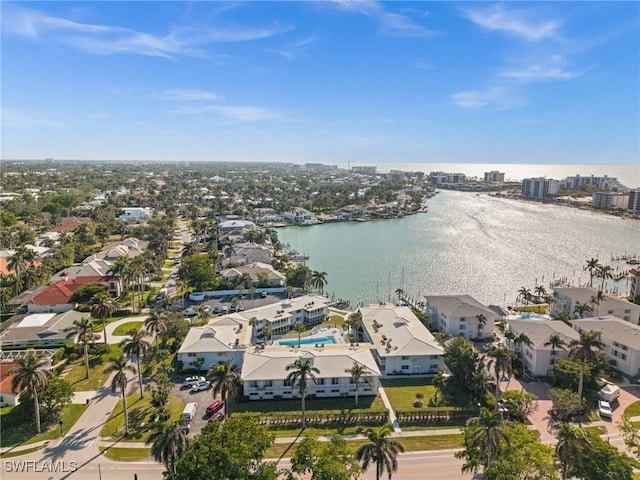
[(495, 98), (242, 113), (17, 118), (109, 40), (515, 22), (391, 23), (551, 69), (185, 95)]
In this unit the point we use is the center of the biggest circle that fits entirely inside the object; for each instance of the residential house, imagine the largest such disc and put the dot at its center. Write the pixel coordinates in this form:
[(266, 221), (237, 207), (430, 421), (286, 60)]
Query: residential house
[(538, 357), (40, 330), (7, 396), (308, 309), (236, 225), (402, 345), (246, 253), (460, 315), (621, 340), (258, 272), (566, 299), (135, 214), (93, 271), (299, 216), (264, 371)]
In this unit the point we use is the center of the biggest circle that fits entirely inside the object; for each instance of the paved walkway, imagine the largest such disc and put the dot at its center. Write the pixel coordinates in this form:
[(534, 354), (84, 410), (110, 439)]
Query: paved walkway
[(392, 414)]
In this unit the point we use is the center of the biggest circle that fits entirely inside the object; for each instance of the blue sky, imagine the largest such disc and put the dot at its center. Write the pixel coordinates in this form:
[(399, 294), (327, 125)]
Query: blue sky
[(334, 81)]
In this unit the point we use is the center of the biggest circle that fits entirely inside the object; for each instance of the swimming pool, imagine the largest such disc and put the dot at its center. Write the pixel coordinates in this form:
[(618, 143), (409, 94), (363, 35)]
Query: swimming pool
[(536, 317), (308, 341)]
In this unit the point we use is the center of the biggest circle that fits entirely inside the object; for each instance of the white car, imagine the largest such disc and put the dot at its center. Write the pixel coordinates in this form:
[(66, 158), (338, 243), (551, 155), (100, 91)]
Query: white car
[(200, 386), (193, 380), (604, 408)]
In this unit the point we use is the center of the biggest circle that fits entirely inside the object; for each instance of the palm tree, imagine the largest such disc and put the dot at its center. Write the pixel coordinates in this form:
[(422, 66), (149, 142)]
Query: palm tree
[(354, 322), (597, 300), (357, 372), (120, 366), (555, 342), (29, 376), (299, 327), (524, 294), (571, 441), (522, 339), (155, 324), (253, 323), (301, 371), (584, 350), (102, 307), (485, 434), (439, 381), (501, 363), (581, 309), (319, 280), (540, 292), (592, 266), (138, 346), (19, 262), (168, 444), (399, 293), (482, 321), (379, 450), (267, 331), (224, 381), (605, 272), (83, 329)]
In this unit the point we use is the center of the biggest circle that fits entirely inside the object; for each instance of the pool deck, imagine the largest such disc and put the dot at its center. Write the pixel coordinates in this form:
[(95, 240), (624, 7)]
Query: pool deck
[(321, 334)]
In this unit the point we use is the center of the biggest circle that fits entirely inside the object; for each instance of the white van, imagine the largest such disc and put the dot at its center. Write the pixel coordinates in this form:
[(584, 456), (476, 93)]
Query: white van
[(189, 411)]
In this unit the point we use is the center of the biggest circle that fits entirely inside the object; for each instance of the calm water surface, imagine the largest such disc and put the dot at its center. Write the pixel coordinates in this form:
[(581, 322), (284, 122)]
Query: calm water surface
[(466, 244)]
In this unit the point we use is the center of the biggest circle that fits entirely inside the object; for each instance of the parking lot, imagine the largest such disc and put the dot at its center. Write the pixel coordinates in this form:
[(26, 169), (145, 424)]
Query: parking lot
[(202, 398)]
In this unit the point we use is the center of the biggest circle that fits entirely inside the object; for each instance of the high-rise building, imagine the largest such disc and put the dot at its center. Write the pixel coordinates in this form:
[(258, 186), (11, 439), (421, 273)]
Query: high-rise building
[(494, 177), (633, 204), (608, 200), (539, 187)]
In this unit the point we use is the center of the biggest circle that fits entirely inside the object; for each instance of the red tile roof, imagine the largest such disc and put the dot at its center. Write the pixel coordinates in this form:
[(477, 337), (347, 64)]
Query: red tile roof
[(5, 378), (61, 292)]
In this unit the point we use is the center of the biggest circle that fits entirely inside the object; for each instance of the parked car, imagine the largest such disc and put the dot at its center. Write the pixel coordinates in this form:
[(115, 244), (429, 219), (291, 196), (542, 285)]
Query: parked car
[(215, 407), (185, 428), (604, 408), (189, 381), (190, 312), (96, 336), (216, 309), (219, 416), (200, 386), (263, 294)]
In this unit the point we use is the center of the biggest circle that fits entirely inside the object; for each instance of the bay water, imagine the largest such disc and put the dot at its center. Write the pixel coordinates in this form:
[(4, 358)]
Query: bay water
[(467, 243)]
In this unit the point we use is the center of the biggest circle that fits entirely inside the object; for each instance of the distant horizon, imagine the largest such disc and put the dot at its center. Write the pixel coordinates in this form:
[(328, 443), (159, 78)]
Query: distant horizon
[(322, 82)]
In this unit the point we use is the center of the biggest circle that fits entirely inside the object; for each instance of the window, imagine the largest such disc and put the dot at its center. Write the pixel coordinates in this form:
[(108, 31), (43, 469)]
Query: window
[(191, 354), (405, 358), (463, 327), (615, 353), (462, 319), (268, 383), (610, 312), (623, 356), (335, 381), (320, 381), (433, 366), (434, 357), (253, 384), (287, 383), (405, 367)]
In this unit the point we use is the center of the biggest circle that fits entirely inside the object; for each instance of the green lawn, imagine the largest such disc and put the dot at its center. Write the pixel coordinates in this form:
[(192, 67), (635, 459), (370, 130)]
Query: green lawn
[(97, 376), (411, 444), (19, 432), (294, 432), (402, 392), (123, 330), (597, 430), (123, 454), (632, 410), (17, 453), (141, 416), (333, 321), (312, 404)]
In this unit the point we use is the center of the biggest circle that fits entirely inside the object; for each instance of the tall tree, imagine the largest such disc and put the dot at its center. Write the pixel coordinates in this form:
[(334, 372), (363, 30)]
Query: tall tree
[(501, 364), (483, 436), (136, 345), (319, 280), (83, 329), (556, 343), (592, 267), (584, 350), (358, 372), (120, 367), (524, 294), (540, 292), (299, 327), (331, 460), (29, 376), (379, 450), (482, 321), (155, 324), (439, 381), (605, 272), (597, 300), (168, 444), (19, 262), (581, 308), (300, 372), (571, 441), (354, 322), (102, 307), (225, 382), (522, 339)]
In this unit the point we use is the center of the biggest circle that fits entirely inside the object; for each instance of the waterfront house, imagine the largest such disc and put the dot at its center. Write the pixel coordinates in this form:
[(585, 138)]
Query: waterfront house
[(538, 357), (460, 315), (135, 214), (264, 371), (621, 340), (258, 272), (566, 299), (402, 345)]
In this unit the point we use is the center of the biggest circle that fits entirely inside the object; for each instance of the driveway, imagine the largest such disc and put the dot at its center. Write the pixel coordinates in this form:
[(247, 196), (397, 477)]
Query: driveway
[(114, 339), (203, 399)]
